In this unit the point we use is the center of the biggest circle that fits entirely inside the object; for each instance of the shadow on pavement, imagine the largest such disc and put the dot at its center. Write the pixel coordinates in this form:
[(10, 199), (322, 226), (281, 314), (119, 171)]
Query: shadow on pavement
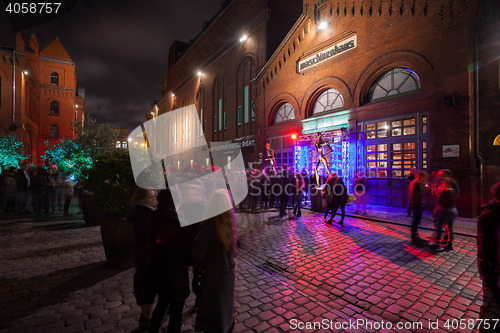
[(52, 251), (22, 297)]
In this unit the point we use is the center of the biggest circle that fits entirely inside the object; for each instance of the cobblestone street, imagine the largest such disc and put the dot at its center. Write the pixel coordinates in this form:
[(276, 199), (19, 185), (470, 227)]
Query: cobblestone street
[(289, 273)]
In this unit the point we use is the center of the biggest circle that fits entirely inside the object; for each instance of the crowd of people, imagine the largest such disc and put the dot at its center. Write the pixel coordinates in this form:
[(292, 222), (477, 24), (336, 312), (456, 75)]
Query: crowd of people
[(38, 189), (164, 253)]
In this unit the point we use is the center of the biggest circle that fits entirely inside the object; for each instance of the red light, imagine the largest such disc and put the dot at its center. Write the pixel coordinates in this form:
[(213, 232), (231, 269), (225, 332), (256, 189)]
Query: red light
[(294, 136)]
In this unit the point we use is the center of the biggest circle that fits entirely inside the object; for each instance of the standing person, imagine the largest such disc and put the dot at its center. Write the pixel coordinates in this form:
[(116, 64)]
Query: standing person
[(447, 196), (37, 189), (68, 192), (360, 192), (214, 249), (49, 183), (338, 192), (488, 249), (169, 250), (3, 198), (417, 191), (328, 195), (287, 182), (339, 199), (143, 202), (265, 186), (409, 179), (23, 181), (59, 178), (298, 187), (307, 190), (10, 190)]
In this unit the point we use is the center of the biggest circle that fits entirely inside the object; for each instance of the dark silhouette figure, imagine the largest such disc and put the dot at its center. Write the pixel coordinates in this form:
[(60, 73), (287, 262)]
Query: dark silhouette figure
[(169, 250), (488, 252), (214, 249), (143, 202)]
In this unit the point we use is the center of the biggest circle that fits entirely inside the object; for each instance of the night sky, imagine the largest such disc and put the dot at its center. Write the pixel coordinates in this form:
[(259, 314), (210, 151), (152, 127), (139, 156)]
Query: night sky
[(120, 48)]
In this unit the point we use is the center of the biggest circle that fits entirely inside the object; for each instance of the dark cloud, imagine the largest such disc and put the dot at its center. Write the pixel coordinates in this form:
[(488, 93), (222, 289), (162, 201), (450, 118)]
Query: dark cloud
[(121, 49)]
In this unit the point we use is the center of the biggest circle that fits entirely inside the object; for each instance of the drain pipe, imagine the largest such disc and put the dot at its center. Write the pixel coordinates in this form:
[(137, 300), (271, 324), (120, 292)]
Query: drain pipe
[(13, 126), (477, 154)]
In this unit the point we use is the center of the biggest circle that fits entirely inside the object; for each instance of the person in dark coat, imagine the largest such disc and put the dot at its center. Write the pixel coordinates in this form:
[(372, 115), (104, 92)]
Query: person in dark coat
[(409, 179), (335, 186), (488, 252), (168, 260), (417, 192), (448, 193), (143, 202), (23, 180), (10, 190), (214, 249)]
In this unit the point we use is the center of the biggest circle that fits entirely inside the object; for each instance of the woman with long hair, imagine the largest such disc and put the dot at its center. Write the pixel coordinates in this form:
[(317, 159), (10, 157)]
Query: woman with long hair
[(214, 249)]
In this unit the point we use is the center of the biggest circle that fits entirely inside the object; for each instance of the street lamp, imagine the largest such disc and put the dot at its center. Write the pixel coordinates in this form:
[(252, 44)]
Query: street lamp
[(322, 26)]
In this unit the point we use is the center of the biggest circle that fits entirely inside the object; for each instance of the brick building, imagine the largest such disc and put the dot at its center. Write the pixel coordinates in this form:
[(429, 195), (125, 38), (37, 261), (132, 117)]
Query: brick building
[(392, 86), (215, 70), (46, 99), (388, 83)]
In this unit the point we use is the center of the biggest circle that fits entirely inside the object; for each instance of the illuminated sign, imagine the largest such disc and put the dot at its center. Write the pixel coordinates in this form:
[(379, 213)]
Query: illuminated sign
[(332, 51), (325, 123)]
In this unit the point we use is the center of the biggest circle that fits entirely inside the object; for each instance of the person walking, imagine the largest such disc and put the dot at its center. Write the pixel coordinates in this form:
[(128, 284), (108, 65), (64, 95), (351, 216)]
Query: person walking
[(214, 250), (360, 193), (448, 193), (142, 202), (488, 250), (168, 260), (417, 192)]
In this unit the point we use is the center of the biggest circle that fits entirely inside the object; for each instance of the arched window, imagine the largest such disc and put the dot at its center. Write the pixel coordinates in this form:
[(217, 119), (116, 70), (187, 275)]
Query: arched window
[(54, 131), (496, 142), (330, 99), (54, 107), (118, 144), (54, 79), (394, 82), (284, 113)]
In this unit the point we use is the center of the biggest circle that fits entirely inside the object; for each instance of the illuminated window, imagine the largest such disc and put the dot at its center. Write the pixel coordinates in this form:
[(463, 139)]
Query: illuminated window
[(54, 107), (284, 113), (54, 131), (330, 99), (124, 144), (54, 79), (394, 82), (118, 144)]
